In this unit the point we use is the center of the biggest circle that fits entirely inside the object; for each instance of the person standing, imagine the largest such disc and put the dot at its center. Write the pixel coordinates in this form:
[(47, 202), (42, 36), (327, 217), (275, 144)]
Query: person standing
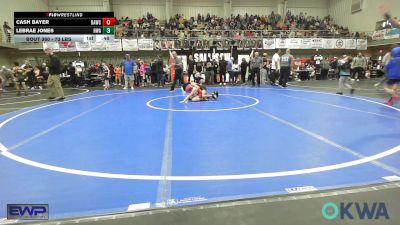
[(5, 76), (275, 67), (264, 68), (178, 66), (160, 71), (128, 68), (255, 66), (243, 70), (118, 72), (105, 72), (287, 62), (359, 65), (230, 69), (324, 69), (71, 71), (222, 71), (209, 72), (141, 75), (7, 31), (53, 81), (153, 72), (215, 69), (199, 66), (190, 66), (344, 73), (235, 73), (20, 79), (334, 66), (30, 75)]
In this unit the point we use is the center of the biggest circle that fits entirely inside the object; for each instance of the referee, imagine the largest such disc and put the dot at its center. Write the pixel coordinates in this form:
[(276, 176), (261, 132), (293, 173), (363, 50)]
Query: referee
[(178, 66), (53, 82)]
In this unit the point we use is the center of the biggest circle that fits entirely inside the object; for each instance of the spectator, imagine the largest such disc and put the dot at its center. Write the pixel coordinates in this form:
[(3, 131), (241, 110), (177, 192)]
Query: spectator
[(359, 65), (229, 68), (160, 71), (7, 31), (222, 70), (243, 70), (264, 68), (6, 75), (324, 69), (118, 72), (128, 66), (190, 67), (209, 72)]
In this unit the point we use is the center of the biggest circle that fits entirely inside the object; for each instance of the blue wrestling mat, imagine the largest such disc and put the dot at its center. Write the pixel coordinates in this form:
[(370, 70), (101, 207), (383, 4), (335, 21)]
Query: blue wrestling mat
[(106, 151)]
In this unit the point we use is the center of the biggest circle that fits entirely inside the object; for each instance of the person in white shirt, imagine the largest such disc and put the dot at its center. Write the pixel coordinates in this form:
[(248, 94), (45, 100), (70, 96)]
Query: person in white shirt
[(275, 67), (235, 72), (385, 60)]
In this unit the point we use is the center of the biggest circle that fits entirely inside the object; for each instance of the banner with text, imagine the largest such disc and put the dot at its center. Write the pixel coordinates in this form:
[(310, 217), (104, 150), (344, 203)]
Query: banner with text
[(314, 43), (130, 45)]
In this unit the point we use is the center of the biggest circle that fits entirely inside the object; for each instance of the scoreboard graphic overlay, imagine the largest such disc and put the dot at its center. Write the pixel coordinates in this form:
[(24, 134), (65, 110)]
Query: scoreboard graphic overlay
[(63, 26)]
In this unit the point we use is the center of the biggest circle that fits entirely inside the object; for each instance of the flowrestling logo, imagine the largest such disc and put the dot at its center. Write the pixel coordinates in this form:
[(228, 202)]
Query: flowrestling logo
[(355, 210)]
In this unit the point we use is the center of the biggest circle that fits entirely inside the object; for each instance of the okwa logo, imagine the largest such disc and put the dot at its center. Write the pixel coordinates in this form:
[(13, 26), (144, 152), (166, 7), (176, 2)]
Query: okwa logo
[(355, 210)]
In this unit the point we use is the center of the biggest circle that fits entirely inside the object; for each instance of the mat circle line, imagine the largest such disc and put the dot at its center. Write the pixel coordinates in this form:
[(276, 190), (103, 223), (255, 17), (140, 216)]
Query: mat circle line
[(256, 101)]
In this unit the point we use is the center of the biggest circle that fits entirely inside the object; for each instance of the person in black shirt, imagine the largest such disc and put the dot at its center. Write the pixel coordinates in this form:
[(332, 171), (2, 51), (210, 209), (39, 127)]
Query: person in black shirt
[(199, 66), (243, 70), (53, 81), (31, 79), (72, 76), (215, 64), (209, 72), (190, 66), (334, 66), (160, 71), (153, 72), (44, 71), (222, 70)]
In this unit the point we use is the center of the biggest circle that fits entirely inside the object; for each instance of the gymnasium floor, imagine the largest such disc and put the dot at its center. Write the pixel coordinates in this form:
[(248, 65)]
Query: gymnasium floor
[(103, 151)]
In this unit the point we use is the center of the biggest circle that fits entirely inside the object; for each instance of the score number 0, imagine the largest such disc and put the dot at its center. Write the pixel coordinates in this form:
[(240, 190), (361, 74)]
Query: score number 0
[(108, 22)]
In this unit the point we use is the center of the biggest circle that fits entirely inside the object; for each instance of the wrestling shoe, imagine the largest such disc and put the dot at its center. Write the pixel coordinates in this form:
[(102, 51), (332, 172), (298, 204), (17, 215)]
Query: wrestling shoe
[(339, 93), (389, 102), (352, 91)]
